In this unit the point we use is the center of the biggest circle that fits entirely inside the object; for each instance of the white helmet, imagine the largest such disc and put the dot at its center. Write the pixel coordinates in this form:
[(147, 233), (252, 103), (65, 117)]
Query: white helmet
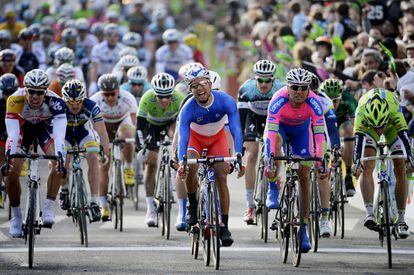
[(65, 72), (82, 24), (36, 79), (185, 67), (128, 61), (215, 80), (196, 71), (64, 55), (111, 28), (298, 76), (264, 68), (128, 51), (137, 74), (132, 39), (97, 28), (171, 35), (163, 84), (159, 14), (73, 90)]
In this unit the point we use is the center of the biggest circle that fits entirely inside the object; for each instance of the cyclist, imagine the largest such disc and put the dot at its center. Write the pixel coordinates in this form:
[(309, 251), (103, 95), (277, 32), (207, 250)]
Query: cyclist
[(64, 73), (124, 64), (293, 112), (44, 45), (134, 40), (84, 118), (157, 112), (254, 97), (345, 106), (8, 65), (137, 83), (206, 112), (43, 115), (28, 60), (378, 113), (119, 111), (64, 55), (8, 85), (173, 54)]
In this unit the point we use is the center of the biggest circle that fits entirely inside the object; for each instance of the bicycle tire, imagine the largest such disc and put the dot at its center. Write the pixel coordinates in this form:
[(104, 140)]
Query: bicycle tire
[(195, 243), (168, 204), (387, 220), (159, 197), (119, 194), (204, 225), (215, 225), (31, 222), (283, 226), (264, 221), (296, 224), (313, 227), (82, 207), (342, 204), (136, 196)]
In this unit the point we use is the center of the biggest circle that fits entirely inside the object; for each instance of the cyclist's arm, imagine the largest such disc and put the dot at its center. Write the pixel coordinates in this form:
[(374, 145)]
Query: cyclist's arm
[(59, 131), (359, 146), (235, 125), (184, 132), (318, 127), (406, 142), (13, 132), (330, 119), (100, 128)]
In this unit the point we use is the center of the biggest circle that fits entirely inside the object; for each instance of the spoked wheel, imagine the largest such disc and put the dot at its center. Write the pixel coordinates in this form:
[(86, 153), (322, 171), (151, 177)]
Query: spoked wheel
[(341, 207), (387, 220), (168, 202), (204, 227), (296, 227), (215, 226), (264, 215), (160, 202), (114, 213), (81, 214), (313, 227), (119, 197), (31, 224), (283, 227)]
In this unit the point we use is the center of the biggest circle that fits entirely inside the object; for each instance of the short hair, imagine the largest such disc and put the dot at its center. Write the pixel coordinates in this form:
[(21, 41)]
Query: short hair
[(368, 76)]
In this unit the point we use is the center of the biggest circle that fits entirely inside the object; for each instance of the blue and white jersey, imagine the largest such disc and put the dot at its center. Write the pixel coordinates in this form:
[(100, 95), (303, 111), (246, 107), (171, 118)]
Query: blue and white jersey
[(127, 87), (209, 120), (251, 98), (170, 62), (144, 57), (90, 111)]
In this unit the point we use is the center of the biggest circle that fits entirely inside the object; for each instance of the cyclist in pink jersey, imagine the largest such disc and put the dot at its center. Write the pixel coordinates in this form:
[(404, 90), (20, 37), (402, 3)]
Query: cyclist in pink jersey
[(292, 113)]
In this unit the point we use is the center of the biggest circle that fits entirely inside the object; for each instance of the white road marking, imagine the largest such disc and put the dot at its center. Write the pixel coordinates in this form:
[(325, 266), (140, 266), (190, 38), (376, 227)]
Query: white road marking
[(180, 248)]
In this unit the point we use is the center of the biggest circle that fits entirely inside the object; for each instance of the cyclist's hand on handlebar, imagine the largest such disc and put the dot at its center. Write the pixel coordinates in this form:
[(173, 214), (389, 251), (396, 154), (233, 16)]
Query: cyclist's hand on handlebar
[(183, 173)]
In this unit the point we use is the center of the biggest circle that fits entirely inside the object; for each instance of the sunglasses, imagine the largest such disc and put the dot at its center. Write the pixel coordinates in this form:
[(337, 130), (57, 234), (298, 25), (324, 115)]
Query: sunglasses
[(201, 83), (112, 94), (74, 102), (264, 80), (36, 92), (172, 42), (161, 97), (137, 84), (297, 87)]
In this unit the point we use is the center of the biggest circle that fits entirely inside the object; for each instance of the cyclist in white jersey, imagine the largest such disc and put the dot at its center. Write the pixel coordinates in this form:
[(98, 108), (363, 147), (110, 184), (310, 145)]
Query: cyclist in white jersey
[(134, 40), (173, 54), (104, 55), (119, 111), (62, 56)]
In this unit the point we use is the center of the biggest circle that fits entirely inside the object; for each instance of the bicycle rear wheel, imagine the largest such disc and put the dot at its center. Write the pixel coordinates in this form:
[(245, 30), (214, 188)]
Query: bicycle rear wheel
[(31, 222), (82, 210), (296, 225), (313, 227), (215, 225), (386, 227)]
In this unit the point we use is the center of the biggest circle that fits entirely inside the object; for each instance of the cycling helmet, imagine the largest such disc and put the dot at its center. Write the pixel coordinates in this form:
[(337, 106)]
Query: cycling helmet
[(5, 35), (215, 80), (132, 39), (111, 28), (128, 51), (46, 30), (73, 90), (7, 55), (35, 29), (48, 20), (65, 73), (298, 76), (377, 111), (28, 15), (137, 74), (185, 67), (82, 24), (128, 61), (332, 87), (315, 82), (108, 82), (64, 55), (36, 79), (171, 35), (69, 33), (97, 28), (8, 84), (25, 34), (264, 68), (196, 71), (163, 84)]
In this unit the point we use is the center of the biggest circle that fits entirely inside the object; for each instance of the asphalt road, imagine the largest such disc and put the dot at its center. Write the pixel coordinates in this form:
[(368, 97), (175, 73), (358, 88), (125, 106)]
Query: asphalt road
[(142, 250)]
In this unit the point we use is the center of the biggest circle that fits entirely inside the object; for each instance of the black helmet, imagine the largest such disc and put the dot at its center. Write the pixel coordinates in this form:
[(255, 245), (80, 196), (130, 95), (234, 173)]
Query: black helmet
[(108, 82), (8, 84)]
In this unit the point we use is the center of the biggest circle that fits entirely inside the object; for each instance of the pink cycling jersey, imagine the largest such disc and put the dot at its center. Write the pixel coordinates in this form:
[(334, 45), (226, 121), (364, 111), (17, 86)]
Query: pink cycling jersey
[(281, 112)]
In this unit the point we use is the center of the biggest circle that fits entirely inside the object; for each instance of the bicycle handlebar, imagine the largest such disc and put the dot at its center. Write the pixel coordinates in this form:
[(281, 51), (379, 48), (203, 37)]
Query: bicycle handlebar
[(383, 157), (84, 150), (122, 140), (210, 160)]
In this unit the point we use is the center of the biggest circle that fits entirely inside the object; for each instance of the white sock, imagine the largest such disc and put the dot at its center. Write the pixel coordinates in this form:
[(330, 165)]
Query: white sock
[(16, 211), (249, 198), (65, 186), (94, 198), (401, 216), (128, 165), (370, 209), (150, 204), (103, 201), (49, 204)]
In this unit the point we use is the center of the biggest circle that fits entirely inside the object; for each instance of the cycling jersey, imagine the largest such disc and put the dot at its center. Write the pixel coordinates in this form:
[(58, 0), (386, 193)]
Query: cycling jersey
[(330, 120), (41, 52), (346, 109), (89, 42), (170, 62), (206, 124), (150, 109), (396, 130), (125, 107), (287, 121), (105, 56), (52, 112), (127, 87)]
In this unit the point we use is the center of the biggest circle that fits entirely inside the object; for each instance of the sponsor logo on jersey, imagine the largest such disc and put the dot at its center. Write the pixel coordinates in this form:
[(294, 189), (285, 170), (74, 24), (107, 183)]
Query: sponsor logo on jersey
[(55, 105), (316, 106), (277, 104)]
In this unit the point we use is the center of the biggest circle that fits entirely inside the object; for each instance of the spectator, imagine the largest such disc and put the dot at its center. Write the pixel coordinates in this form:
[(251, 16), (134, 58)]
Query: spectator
[(12, 25)]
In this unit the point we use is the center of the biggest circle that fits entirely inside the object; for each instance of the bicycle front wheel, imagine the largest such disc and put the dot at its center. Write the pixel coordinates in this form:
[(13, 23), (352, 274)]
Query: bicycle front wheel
[(313, 228), (82, 210), (342, 201), (215, 225), (283, 227), (31, 222), (296, 225), (204, 222), (168, 202), (119, 210), (264, 219), (386, 227)]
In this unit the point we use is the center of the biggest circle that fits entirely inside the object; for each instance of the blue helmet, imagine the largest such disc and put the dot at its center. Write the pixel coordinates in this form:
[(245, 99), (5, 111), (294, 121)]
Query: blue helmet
[(8, 84), (196, 71)]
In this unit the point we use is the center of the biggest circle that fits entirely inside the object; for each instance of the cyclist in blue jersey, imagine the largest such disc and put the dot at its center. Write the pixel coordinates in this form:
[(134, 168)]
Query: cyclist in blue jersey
[(206, 112), (254, 97)]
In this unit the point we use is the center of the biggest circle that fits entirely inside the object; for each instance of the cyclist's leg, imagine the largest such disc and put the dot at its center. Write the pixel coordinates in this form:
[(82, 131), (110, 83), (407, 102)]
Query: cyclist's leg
[(346, 130), (149, 181), (127, 130)]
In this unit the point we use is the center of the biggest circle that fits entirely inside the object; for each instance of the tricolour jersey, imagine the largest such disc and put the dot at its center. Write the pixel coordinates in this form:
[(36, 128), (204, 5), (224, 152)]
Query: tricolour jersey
[(125, 106), (90, 112)]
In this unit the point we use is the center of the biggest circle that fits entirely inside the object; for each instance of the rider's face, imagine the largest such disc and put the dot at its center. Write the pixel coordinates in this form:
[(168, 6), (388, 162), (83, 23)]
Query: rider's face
[(201, 89), (110, 97), (298, 94), (74, 106), (264, 84), (164, 101), (35, 98)]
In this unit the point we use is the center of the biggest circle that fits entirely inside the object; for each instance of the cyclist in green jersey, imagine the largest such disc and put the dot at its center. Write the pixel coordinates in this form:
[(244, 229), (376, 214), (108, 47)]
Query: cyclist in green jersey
[(345, 106), (157, 112), (377, 114)]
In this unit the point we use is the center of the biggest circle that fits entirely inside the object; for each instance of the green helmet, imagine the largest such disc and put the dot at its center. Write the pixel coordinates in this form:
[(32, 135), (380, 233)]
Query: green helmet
[(332, 87), (377, 111)]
